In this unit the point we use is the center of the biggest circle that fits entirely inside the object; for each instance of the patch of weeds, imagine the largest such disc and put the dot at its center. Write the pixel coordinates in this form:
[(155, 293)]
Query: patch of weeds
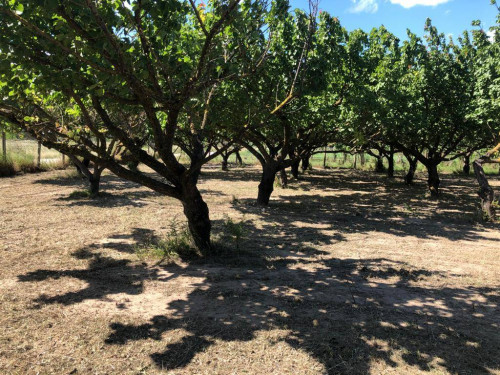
[(409, 209), (235, 230), (80, 194), (277, 182), (68, 175), (235, 200), (176, 244)]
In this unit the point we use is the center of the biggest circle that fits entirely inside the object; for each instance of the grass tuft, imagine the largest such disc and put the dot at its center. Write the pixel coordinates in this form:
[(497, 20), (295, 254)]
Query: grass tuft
[(177, 244)]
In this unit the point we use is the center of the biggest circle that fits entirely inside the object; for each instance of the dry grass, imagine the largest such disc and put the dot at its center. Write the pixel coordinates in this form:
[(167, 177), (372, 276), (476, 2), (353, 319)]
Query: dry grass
[(345, 273), (22, 158)]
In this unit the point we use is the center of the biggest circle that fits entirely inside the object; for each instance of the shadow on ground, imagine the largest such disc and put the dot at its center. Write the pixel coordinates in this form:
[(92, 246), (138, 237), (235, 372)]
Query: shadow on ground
[(348, 314)]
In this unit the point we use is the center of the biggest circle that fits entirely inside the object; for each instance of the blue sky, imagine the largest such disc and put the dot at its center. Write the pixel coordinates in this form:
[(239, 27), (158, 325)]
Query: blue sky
[(449, 16)]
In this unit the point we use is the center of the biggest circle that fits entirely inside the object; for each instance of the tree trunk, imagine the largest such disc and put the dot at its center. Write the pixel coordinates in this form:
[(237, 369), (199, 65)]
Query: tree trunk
[(355, 164), (225, 158), (197, 214), (433, 180), (390, 169), (412, 169), (305, 163), (239, 160), (4, 145), (485, 192), (324, 159), (39, 156), (379, 165), (362, 159), (283, 178), (266, 185), (466, 168), (345, 158), (95, 182), (295, 169)]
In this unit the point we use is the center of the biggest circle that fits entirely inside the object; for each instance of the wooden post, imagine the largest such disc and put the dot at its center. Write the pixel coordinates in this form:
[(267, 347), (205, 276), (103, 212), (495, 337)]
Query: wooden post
[(39, 155), (4, 145)]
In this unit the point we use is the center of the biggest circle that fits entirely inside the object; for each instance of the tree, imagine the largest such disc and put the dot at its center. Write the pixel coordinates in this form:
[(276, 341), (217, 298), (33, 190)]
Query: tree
[(486, 106), (150, 57), (285, 97)]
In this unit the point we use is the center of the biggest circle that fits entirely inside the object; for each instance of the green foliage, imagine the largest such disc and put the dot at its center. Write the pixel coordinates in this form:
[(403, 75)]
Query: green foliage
[(80, 194), (176, 244), (235, 230)]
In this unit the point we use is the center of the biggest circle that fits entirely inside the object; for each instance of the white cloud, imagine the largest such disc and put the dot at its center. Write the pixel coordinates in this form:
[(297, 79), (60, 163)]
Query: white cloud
[(412, 3), (368, 6)]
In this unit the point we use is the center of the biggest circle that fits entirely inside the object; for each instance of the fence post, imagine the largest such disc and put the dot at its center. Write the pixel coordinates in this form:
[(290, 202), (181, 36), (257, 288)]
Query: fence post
[(39, 157), (4, 145)]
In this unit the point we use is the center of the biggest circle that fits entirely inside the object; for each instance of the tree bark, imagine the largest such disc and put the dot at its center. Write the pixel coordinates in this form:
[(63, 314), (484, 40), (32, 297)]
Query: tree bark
[(4, 145), (411, 170), (362, 159), (266, 185), (295, 169), (466, 168), (239, 160), (224, 164), (197, 214), (283, 178), (379, 165), (324, 159), (433, 180), (95, 182), (485, 192), (306, 162), (390, 159)]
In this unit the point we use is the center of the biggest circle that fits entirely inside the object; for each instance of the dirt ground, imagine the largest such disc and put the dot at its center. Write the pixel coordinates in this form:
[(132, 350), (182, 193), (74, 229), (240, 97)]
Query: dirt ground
[(346, 272)]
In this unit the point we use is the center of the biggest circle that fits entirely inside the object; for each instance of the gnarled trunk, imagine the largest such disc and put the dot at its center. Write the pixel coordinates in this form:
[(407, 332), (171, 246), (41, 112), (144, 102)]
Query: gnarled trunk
[(266, 185), (283, 178), (466, 168), (95, 182), (390, 159), (197, 214), (224, 164), (433, 180), (306, 162), (485, 192), (411, 170), (379, 165), (295, 169), (239, 160)]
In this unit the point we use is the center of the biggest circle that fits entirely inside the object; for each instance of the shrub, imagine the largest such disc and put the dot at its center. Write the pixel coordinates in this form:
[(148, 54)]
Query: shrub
[(177, 244), (235, 230)]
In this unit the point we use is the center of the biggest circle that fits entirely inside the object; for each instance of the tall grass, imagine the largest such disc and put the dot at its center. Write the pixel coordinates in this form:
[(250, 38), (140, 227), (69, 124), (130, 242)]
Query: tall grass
[(21, 158)]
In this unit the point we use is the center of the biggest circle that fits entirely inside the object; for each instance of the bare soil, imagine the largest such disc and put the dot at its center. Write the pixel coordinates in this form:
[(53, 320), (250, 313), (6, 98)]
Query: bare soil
[(346, 272)]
